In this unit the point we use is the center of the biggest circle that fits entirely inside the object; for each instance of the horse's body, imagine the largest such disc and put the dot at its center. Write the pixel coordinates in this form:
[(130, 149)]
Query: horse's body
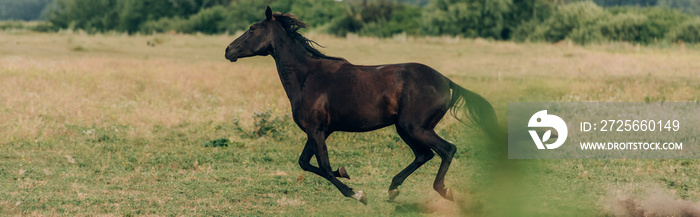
[(374, 93), (329, 94)]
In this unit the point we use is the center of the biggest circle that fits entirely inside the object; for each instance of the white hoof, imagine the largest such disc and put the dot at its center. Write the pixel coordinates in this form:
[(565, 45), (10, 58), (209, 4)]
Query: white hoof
[(449, 195), (360, 196), (393, 194), (343, 173)]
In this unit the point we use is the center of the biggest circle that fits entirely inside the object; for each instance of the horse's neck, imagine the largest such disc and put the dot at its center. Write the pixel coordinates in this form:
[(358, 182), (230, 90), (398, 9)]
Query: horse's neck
[(293, 67)]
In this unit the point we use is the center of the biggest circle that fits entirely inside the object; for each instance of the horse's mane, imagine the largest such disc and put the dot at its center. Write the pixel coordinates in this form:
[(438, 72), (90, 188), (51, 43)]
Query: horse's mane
[(291, 25)]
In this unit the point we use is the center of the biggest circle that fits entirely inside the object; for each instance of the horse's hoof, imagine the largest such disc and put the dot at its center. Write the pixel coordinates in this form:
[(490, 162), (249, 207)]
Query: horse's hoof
[(360, 196), (393, 194), (343, 173), (448, 195)]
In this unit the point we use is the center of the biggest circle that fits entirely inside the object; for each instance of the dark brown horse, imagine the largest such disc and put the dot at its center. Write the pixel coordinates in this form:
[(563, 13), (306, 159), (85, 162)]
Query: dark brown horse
[(329, 94)]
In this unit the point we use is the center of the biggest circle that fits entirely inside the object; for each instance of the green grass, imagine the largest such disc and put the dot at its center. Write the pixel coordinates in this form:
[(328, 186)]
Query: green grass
[(119, 127)]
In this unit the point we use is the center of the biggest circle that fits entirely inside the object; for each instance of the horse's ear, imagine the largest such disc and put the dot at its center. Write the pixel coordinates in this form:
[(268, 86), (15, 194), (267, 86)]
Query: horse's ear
[(268, 14)]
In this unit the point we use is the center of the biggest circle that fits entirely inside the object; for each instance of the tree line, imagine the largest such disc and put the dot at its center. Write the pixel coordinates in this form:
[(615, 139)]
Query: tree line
[(581, 21), (23, 9)]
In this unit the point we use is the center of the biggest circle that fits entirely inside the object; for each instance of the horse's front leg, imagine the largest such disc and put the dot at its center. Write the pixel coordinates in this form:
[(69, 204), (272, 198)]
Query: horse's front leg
[(317, 142), (305, 162)]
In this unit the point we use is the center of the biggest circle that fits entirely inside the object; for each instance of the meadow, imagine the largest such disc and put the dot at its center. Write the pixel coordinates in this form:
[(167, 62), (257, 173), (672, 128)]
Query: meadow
[(113, 124)]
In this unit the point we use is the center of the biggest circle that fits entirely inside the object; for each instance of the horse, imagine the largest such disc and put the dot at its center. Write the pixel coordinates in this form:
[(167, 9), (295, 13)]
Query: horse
[(329, 94)]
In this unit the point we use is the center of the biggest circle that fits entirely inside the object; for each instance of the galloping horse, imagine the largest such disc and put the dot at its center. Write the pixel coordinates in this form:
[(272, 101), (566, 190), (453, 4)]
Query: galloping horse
[(330, 94)]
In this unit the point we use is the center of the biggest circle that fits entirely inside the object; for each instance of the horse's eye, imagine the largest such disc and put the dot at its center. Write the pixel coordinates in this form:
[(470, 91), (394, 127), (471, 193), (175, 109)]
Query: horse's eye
[(252, 28)]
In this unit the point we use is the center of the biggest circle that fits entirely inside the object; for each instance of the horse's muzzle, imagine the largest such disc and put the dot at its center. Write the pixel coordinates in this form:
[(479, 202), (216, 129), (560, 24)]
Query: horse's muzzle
[(233, 60), (228, 56)]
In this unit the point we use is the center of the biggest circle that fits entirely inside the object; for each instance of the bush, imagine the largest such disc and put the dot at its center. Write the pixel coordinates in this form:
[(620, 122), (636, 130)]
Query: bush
[(586, 35), (266, 125), (89, 15), (523, 20), (24, 25), (5, 25), (450, 17), (382, 18), (584, 23), (243, 13), (659, 21), (122, 15), (212, 20), (162, 25), (532, 30), (45, 27), (398, 19), (571, 16), (662, 20), (688, 6), (316, 13), (209, 21), (626, 27), (497, 19), (344, 25), (688, 32), (221, 142)]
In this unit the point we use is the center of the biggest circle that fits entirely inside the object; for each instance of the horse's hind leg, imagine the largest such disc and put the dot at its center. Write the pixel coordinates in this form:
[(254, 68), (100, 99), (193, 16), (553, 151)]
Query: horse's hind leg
[(317, 140), (444, 149), (422, 154)]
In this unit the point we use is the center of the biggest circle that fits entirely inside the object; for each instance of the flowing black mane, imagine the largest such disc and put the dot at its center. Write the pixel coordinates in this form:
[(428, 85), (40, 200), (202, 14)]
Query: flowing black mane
[(292, 24)]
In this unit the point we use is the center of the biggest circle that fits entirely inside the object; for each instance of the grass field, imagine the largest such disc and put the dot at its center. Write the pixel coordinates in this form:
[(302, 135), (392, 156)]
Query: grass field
[(107, 125)]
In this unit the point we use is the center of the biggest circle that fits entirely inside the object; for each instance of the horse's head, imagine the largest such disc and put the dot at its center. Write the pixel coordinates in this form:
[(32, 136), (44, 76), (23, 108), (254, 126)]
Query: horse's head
[(257, 41)]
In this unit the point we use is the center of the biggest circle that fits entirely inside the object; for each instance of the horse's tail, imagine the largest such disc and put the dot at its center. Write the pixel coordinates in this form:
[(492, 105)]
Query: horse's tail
[(480, 111)]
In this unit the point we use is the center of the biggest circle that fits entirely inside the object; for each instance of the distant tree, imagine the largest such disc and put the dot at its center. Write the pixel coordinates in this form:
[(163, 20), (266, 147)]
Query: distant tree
[(381, 18), (121, 15), (242, 13), (658, 23), (611, 3), (453, 17), (483, 18), (415, 2), (688, 6), (386, 18), (319, 12), (22, 9), (569, 17), (688, 32), (582, 21), (85, 14)]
